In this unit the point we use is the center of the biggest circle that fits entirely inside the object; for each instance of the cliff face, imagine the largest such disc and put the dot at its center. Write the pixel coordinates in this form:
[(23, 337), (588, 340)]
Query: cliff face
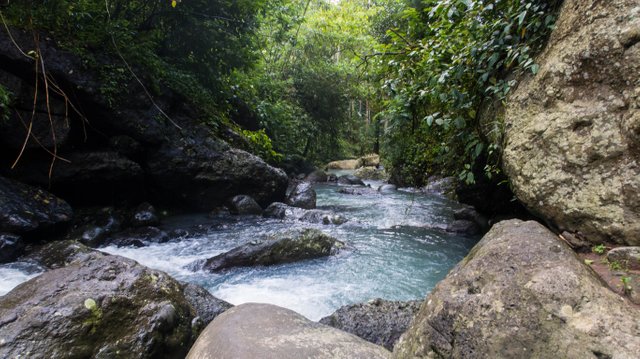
[(124, 150), (573, 130)]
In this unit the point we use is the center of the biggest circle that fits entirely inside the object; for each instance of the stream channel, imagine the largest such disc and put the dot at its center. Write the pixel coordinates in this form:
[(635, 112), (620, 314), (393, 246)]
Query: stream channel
[(398, 250)]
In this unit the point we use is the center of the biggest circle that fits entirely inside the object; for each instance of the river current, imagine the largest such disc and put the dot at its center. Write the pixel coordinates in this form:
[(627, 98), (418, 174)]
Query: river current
[(397, 250)]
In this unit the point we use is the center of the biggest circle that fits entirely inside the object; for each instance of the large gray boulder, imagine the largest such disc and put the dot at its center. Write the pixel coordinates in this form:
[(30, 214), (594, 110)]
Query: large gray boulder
[(302, 196), (102, 307), (285, 247), (24, 208), (265, 331), (572, 131), (522, 292), (378, 321)]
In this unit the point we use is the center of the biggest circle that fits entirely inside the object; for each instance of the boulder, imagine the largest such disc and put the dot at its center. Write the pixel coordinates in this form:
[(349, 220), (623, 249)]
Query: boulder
[(371, 173), (351, 180), (372, 160), (276, 210), (302, 196), (265, 331), (572, 151), (324, 217), (470, 214), (11, 247), (136, 237), (58, 254), (445, 186), (206, 306), (628, 257), (24, 208), (522, 292), (344, 165), (144, 215), (285, 247), (102, 306), (378, 321), (243, 204), (463, 226), (317, 176)]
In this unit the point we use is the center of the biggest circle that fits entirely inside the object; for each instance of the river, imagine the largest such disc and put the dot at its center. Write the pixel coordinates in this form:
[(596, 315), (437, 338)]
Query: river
[(396, 250)]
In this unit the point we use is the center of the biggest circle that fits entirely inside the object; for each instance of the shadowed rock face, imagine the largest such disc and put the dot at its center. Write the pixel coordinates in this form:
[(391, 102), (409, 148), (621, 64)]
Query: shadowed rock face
[(136, 153), (290, 246), (102, 306), (24, 208), (378, 321), (572, 151), (302, 196), (522, 292), (251, 331)]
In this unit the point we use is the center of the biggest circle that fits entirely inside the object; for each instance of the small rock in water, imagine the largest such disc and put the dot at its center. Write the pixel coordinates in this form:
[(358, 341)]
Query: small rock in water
[(388, 188), (350, 179), (145, 215), (276, 210), (242, 204), (302, 196)]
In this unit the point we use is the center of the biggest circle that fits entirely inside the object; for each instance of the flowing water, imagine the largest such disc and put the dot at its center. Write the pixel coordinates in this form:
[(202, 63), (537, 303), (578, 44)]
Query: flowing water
[(396, 252)]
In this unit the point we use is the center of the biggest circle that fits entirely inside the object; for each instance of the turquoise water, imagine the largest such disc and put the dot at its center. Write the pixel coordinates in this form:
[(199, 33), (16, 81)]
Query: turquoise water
[(397, 251)]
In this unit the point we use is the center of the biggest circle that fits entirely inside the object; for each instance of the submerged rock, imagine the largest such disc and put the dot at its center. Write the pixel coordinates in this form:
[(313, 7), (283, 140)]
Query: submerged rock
[(25, 208), (351, 180), (388, 188), (302, 196), (522, 292), (290, 246), (137, 237), (276, 210), (364, 191), (102, 306), (265, 331), (571, 149), (243, 204), (377, 321)]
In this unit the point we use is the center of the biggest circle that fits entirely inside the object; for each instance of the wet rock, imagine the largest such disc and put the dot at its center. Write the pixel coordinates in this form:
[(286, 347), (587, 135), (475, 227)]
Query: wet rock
[(58, 254), (101, 306), (270, 332), (324, 217), (470, 214), (628, 257), (317, 176), (379, 321), (463, 226), (285, 247), (571, 149), (388, 188), (243, 204), (443, 186), (364, 191), (302, 196), (24, 208), (11, 247), (145, 215), (137, 237), (332, 178), (276, 210), (206, 306), (371, 173), (350, 179), (521, 290)]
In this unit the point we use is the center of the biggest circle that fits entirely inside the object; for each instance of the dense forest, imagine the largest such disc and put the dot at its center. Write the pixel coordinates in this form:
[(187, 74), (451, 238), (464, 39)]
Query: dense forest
[(319, 80)]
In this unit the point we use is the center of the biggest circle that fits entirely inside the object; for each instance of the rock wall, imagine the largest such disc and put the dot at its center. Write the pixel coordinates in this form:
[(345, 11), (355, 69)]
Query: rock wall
[(522, 293), (573, 130), (119, 147)]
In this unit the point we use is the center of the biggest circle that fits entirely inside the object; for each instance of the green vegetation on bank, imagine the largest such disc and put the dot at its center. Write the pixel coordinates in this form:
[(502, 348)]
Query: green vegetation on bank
[(323, 80)]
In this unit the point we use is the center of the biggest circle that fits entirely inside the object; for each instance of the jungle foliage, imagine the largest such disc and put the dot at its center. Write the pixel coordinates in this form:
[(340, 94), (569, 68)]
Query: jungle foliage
[(322, 79)]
